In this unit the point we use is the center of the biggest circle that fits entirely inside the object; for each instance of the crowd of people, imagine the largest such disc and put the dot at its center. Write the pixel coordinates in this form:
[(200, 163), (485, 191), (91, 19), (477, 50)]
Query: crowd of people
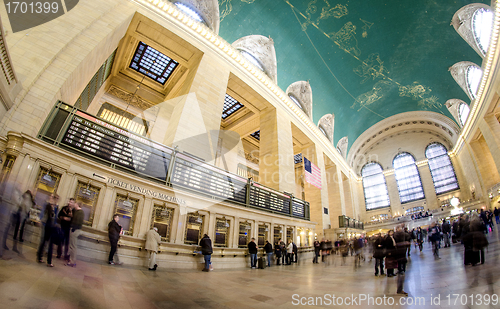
[(59, 227), (62, 227), (421, 215)]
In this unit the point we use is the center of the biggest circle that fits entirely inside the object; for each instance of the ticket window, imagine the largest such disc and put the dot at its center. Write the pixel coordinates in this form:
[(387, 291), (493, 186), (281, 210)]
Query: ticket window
[(162, 220), (221, 232), (46, 184), (243, 238), (194, 228), (289, 235), (87, 196), (263, 232), (277, 234), (126, 209)]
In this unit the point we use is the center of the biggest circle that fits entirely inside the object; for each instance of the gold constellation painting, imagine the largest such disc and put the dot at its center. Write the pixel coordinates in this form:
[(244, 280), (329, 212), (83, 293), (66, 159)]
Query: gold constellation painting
[(372, 67)]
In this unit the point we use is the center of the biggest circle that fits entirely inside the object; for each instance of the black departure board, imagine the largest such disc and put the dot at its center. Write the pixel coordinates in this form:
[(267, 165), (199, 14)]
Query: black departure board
[(105, 141), (191, 173), (298, 208), (269, 199)]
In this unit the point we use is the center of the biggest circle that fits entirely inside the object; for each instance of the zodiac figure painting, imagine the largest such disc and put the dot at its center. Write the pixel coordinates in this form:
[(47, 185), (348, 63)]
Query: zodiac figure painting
[(345, 39), (371, 67), (327, 11), (226, 7), (379, 89)]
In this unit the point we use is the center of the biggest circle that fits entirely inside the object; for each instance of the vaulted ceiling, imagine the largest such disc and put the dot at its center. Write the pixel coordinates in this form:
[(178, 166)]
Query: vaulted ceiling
[(365, 60)]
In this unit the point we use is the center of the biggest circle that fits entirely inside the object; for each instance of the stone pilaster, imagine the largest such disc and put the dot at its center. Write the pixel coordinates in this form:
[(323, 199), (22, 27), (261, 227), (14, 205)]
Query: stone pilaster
[(317, 198), (194, 122), (276, 165), (490, 128), (336, 208), (428, 186), (392, 188)]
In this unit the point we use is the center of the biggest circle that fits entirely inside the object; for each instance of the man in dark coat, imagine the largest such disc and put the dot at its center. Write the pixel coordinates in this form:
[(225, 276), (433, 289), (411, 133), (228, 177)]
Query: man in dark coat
[(252, 250), (206, 250), (64, 218), (316, 251), (269, 252), (278, 252), (378, 254), (114, 230), (446, 228), (48, 226), (295, 253)]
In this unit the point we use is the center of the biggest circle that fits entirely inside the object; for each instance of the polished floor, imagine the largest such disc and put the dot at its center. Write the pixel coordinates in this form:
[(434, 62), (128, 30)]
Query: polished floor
[(93, 284)]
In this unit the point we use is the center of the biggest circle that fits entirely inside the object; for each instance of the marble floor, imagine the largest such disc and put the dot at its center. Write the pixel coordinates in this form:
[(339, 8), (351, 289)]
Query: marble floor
[(93, 284)]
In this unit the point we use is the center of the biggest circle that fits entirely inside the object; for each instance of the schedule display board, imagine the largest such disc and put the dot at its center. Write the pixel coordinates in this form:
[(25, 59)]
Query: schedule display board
[(269, 199), (299, 208), (92, 136), (192, 173)]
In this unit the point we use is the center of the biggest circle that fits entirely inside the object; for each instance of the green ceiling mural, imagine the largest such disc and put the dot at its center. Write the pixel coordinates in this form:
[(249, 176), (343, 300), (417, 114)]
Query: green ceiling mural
[(365, 60)]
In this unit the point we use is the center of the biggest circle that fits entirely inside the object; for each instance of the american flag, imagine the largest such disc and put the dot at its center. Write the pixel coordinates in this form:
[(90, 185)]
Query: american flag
[(312, 173)]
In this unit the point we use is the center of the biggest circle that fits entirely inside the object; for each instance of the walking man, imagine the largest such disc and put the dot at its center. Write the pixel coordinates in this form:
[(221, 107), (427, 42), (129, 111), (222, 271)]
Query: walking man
[(114, 231)]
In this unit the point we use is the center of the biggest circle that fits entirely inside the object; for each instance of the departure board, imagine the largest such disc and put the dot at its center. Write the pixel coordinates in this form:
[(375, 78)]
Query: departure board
[(269, 199), (105, 141), (191, 173), (298, 208)]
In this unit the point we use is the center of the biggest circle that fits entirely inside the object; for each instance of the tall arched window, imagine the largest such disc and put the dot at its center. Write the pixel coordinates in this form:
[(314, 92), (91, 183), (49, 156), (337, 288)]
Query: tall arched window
[(463, 113), (251, 58), (374, 186), (443, 174), (190, 12), (407, 178), (473, 79), (482, 26)]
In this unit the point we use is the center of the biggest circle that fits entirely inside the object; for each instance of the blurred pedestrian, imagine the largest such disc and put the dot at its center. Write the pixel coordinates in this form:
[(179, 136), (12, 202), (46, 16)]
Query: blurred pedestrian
[(378, 254), (47, 229)]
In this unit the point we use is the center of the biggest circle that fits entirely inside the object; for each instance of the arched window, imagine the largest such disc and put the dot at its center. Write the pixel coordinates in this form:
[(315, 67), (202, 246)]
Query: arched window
[(296, 101), (473, 78), (463, 113), (323, 131), (482, 26), (190, 12), (252, 59), (443, 174), (374, 186), (407, 178)]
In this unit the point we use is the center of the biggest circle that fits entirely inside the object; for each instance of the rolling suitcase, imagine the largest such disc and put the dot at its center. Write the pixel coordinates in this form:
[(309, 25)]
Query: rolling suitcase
[(261, 263)]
